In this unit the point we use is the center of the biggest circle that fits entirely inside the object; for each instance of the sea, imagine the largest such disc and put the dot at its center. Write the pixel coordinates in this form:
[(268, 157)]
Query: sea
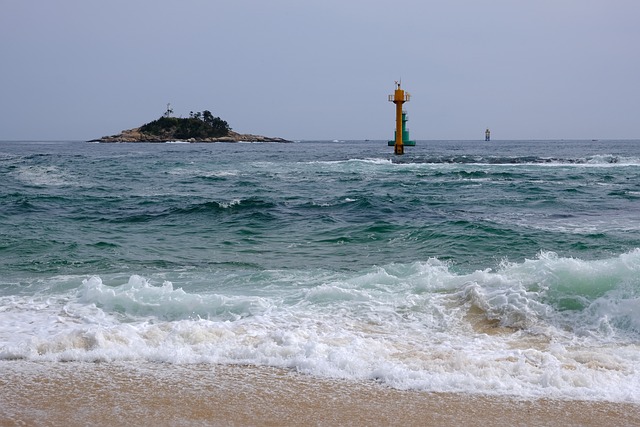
[(501, 268)]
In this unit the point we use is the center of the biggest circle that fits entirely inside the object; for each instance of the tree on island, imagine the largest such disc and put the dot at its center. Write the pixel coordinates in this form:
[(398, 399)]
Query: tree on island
[(198, 126)]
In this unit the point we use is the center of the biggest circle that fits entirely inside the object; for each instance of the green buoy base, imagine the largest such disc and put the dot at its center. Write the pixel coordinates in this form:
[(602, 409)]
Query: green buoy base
[(406, 143)]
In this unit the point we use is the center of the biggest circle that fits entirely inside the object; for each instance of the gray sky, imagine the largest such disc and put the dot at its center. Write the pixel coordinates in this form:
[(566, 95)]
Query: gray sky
[(536, 69)]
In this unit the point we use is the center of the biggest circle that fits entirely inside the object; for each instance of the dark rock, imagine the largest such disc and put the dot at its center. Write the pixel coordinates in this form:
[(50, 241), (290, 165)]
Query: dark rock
[(135, 135)]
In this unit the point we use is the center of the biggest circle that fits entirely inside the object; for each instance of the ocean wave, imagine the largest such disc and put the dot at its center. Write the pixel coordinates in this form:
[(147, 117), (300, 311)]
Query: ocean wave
[(45, 176), (236, 205), (595, 160), (207, 175), (549, 326), (141, 299), (553, 295), (154, 211), (599, 160)]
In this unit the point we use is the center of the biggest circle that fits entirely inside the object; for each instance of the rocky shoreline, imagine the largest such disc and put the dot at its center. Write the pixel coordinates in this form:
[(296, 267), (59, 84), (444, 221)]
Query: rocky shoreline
[(135, 135)]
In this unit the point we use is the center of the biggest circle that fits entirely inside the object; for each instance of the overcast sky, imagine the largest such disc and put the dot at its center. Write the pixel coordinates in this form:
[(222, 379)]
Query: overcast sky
[(306, 69)]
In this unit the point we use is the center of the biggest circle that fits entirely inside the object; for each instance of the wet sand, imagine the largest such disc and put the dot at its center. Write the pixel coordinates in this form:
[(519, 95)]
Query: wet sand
[(141, 394)]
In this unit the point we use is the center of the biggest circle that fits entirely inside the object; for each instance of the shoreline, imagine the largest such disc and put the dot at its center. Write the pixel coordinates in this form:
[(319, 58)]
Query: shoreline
[(136, 136), (144, 393)]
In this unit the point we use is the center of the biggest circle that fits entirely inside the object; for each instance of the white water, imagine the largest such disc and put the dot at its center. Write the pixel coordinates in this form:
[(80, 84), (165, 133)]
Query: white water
[(552, 327)]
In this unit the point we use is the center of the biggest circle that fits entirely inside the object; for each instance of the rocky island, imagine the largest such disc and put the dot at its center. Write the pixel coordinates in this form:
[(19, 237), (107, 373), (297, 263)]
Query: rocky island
[(198, 127)]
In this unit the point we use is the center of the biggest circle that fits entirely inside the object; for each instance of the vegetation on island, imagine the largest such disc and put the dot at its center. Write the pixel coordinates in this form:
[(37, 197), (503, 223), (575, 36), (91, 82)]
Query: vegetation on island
[(199, 125)]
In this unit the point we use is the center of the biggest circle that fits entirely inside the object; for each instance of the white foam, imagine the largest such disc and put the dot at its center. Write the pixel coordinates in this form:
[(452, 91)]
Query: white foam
[(203, 173), (421, 326), (230, 203), (45, 176)]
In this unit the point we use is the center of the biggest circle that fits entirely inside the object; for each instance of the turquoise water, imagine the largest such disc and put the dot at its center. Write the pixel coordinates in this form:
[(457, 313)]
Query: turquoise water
[(503, 267)]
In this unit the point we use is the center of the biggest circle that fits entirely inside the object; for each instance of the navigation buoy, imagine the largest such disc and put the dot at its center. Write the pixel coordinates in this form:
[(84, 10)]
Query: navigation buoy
[(401, 139)]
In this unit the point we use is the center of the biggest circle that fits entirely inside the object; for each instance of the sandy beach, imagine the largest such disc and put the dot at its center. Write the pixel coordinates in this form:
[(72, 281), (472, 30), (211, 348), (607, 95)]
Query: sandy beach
[(79, 394)]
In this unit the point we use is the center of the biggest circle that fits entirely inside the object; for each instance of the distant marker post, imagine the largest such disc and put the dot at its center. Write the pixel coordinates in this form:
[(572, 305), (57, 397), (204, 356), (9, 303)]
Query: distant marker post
[(399, 97)]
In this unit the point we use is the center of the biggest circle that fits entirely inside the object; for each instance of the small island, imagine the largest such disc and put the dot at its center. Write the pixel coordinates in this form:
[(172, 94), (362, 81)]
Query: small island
[(198, 127)]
